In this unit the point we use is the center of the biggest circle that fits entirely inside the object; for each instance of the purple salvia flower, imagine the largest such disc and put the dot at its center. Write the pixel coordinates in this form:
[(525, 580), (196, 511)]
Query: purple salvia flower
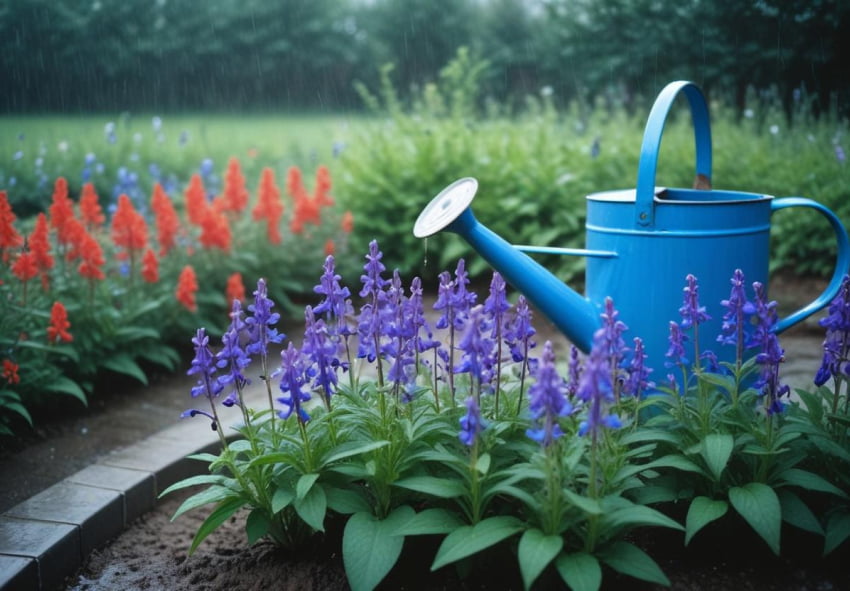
[(373, 283), (676, 352), (444, 300), (336, 305), (203, 365), (692, 313), (736, 319), (547, 400), (292, 381), (519, 331), (233, 357), (414, 311), (637, 380), (261, 323), (496, 304), (573, 372), (770, 354), (463, 299), (596, 389), (611, 340), (471, 424), (478, 350), (836, 345), (321, 351)]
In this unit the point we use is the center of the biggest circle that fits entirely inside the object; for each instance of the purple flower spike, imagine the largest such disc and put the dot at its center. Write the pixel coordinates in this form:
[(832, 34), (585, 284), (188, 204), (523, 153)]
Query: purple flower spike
[(638, 381), (372, 281), (292, 382), (204, 366), (478, 350), (736, 319), (836, 345), (336, 304), (471, 424), (612, 335), (692, 313), (496, 304), (573, 372), (261, 324), (322, 352), (519, 331), (596, 390), (547, 400), (676, 352), (770, 353), (233, 357)]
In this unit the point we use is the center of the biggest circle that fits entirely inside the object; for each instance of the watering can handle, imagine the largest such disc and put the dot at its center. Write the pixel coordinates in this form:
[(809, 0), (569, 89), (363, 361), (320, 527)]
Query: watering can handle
[(645, 193), (842, 259)]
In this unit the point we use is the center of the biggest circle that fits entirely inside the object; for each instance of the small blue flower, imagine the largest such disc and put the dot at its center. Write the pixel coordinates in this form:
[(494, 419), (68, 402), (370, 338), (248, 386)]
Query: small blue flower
[(203, 365), (18, 155), (233, 357), (471, 423)]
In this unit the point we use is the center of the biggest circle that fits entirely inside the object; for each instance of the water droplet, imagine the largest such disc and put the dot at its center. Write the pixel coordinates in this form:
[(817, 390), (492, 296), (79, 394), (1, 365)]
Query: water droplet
[(425, 256)]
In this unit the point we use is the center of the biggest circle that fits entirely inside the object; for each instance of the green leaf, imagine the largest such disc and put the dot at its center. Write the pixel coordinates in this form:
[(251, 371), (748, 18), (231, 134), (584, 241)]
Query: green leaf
[(127, 334), (797, 513), (837, 531), (212, 494), (281, 499), (304, 485), (637, 515), (256, 526), (630, 560), (352, 448), (222, 513), (346, 501), (196, 480), (66, 385), (536, 550), (431, 485), (758, 504), (716, 449), (18, 408), (467, 540), (430, 521), (483, 464), (810, 481), (581, 571), (370, 549), (122, 363), (702, 512), (586, 504), (312, 507)]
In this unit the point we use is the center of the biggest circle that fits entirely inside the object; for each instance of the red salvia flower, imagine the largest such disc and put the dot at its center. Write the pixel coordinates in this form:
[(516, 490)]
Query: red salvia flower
[(305, 208), (235, 289), (196, 200), (92, 257), (166, 220), (235, 194), (59, 325), (330, 247), (347, 223), (269, 206), (129, 230), (90, 210), (150, 267), (61, 211), (187, 287), (25, 267), (74, 231), (10, 372), (215, 230), (323, 186), (39, 243), (9, 236)]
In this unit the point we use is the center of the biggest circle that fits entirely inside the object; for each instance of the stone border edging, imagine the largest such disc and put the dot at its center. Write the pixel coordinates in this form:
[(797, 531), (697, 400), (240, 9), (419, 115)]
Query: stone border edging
[(49, 536)]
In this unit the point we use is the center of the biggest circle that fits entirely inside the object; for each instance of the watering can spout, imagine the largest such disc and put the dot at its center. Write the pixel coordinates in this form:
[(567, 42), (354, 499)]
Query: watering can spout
[(572, 313)]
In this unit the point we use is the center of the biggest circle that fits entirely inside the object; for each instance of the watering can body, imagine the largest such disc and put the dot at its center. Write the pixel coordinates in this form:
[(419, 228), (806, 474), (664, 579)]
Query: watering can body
[(643, 242)]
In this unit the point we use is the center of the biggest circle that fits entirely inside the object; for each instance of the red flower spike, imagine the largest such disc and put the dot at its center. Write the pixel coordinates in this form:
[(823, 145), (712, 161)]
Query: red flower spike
[(347, 222), (187, 287), (215, 230), (330, 247), (235, 194), (59, 325), (196, 200), (323, 186), (129, 230), (90, 210), (10, 372), (166, 220), (150, 267), (9, 236), (92, 258), (39, 244), (269, 206), (25, 267), (61, 211), (235, 289)]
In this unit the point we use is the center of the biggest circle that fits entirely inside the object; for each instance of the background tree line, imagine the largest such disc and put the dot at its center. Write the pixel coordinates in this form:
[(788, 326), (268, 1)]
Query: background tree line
[(93, 55)]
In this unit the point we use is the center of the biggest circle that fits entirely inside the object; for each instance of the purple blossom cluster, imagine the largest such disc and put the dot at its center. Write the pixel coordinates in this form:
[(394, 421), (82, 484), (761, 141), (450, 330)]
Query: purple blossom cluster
[(836, 345)]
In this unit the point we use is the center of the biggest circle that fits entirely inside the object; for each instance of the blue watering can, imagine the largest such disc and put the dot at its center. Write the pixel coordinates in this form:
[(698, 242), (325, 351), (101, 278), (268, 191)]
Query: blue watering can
[(643, 242)]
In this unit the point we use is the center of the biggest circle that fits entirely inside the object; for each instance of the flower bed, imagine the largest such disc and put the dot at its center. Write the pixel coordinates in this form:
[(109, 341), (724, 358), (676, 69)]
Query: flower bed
[(466, 439)]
